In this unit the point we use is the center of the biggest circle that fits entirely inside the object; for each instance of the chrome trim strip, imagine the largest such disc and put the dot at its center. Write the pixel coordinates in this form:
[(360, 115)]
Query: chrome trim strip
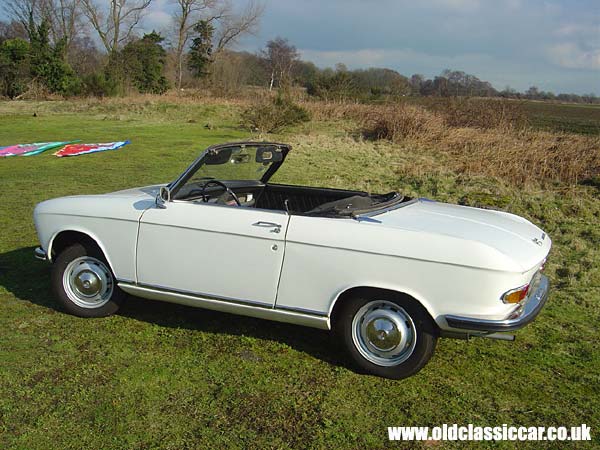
[(258, 310), (202, 295), (302, 311), (124, 280), (91, 216), (40, 254), (516, 320)]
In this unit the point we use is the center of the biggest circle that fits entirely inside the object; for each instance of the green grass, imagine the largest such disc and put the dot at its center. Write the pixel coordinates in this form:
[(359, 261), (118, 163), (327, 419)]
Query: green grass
[(570, 118), (166, 376)]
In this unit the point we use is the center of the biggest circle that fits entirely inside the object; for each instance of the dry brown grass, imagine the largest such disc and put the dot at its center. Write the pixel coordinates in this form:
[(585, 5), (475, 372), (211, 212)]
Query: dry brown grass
[(402, 121), (480, 137), (523, 157), (453, 112), (481, 113)]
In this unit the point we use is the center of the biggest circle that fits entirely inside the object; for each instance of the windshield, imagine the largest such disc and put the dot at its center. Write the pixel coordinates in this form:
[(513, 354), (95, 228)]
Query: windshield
[(244, 162)]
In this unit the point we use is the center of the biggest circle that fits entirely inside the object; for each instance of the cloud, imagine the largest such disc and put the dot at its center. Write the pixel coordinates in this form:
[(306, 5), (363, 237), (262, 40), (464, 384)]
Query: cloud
[(158, 17), (458, 5), (394, 57), (579, 30), (551, 43), (571, 56)]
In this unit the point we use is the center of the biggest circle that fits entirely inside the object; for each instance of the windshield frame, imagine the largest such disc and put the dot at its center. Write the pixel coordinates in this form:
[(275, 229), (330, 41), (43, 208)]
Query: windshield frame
[(178, 183)]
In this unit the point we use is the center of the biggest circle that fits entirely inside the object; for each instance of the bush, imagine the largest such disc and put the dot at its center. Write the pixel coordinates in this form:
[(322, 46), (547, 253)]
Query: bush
[(14, 67), (397, 122), (99, 85), (272, 116)]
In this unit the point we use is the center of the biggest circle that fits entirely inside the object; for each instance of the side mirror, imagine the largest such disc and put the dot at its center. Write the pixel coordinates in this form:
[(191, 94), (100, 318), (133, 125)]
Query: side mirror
[(163, 197)]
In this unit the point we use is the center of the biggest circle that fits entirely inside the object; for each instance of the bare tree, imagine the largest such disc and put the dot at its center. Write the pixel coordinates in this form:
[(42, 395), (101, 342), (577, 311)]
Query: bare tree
[(232, 26), (189, 12), (229, 25), (65, 17), (115, 23), (62, 16), (280, 57), (12, 30), (23, 11)]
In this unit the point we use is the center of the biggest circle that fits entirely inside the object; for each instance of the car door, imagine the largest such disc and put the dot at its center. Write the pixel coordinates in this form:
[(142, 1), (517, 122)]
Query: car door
[(222, 252)]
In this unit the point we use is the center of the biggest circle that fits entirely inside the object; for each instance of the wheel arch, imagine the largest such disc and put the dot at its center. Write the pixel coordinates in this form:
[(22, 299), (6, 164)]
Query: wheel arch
[(63, 238), (374, 290)]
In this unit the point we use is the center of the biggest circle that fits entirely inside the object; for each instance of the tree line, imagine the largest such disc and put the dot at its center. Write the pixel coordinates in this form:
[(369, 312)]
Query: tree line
[(93, 47)]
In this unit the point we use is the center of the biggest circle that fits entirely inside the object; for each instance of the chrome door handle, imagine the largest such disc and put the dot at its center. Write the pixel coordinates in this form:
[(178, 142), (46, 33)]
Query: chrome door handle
[(276, 227)]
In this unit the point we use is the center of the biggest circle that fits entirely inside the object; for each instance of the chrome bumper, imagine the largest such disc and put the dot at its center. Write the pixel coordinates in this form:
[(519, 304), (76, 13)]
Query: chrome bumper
[(518, 319), (40, 254)]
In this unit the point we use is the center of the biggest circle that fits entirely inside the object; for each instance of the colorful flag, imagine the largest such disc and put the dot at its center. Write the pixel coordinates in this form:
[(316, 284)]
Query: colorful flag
[(30, 149), (83, 149)]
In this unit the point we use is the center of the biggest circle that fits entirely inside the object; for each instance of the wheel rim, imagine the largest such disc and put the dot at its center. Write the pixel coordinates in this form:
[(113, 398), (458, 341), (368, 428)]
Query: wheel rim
[(384, 333), (88, 282)]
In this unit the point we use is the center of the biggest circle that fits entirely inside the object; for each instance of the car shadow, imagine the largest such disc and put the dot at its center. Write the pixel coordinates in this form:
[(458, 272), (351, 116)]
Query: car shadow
[(29, 280)]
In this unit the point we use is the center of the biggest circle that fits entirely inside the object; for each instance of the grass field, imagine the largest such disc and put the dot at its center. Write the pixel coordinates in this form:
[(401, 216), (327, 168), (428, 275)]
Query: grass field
[(166, 376), (543, 115), (574, 118)]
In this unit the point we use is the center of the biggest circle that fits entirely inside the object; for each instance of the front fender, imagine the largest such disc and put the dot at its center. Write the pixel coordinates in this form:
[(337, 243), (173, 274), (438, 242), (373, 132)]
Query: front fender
[(116, 238)]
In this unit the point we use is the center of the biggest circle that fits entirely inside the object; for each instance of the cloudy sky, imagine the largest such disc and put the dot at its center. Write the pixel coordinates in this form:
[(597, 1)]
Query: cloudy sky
[(553, 44)]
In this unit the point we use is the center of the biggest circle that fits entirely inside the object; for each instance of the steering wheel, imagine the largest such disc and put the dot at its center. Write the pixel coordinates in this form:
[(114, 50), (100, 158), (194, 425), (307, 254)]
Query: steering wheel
[(223, 185)]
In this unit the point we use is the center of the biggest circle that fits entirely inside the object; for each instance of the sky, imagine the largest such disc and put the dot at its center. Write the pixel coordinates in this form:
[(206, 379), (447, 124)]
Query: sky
[(552, 44)]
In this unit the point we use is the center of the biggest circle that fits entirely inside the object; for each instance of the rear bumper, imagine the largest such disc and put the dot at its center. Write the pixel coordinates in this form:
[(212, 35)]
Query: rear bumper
[(40, 254), (518, 319)]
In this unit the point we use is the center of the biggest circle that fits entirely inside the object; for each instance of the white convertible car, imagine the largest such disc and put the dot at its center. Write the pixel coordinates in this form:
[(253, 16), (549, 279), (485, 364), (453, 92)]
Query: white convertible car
[(391, 274)]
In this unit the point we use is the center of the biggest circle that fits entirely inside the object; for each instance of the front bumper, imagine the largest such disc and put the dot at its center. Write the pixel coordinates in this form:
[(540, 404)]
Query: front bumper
[(525, 314), (40, 254)]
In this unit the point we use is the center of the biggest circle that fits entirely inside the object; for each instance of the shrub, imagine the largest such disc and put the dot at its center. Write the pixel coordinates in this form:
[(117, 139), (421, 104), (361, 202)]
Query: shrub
[(99, 85), (397, 122), (14, 67), (271, 116)]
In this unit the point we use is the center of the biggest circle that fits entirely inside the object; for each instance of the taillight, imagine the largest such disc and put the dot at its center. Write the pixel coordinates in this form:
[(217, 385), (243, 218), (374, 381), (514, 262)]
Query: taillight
[(515, 295)]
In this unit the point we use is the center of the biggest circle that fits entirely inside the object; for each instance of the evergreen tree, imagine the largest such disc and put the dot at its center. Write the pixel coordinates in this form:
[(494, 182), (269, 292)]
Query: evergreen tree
[(143, 62), (14, 67), (48, 65), (200, 56)]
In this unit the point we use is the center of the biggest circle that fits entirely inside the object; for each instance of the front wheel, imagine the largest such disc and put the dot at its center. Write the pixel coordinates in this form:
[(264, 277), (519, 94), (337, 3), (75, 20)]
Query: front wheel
[(84, 284), (391, 338)]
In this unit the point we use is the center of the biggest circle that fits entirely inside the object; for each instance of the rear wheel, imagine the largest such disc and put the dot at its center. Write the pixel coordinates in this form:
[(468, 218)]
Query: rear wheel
[(84, 283), (388, 337)]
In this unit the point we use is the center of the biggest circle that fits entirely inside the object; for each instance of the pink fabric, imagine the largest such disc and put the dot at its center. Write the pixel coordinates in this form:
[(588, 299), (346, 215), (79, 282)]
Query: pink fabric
[(13, 150)]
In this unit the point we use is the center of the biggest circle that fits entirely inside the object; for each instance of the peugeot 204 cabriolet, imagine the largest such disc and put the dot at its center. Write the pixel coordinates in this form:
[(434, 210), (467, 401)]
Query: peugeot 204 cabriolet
[(390, 274)]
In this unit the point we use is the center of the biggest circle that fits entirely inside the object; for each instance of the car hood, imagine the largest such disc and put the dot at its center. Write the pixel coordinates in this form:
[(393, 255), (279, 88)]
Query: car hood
[(144, 191), (122, 205), (511, 235)]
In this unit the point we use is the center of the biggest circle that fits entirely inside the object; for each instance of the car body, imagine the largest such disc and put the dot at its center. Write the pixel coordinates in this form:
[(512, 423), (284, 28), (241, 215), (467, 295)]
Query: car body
[(298, 254)]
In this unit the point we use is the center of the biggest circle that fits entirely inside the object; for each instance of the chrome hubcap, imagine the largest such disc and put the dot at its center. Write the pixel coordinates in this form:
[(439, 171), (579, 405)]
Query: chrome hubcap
[(88, 282), (384, 333)]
